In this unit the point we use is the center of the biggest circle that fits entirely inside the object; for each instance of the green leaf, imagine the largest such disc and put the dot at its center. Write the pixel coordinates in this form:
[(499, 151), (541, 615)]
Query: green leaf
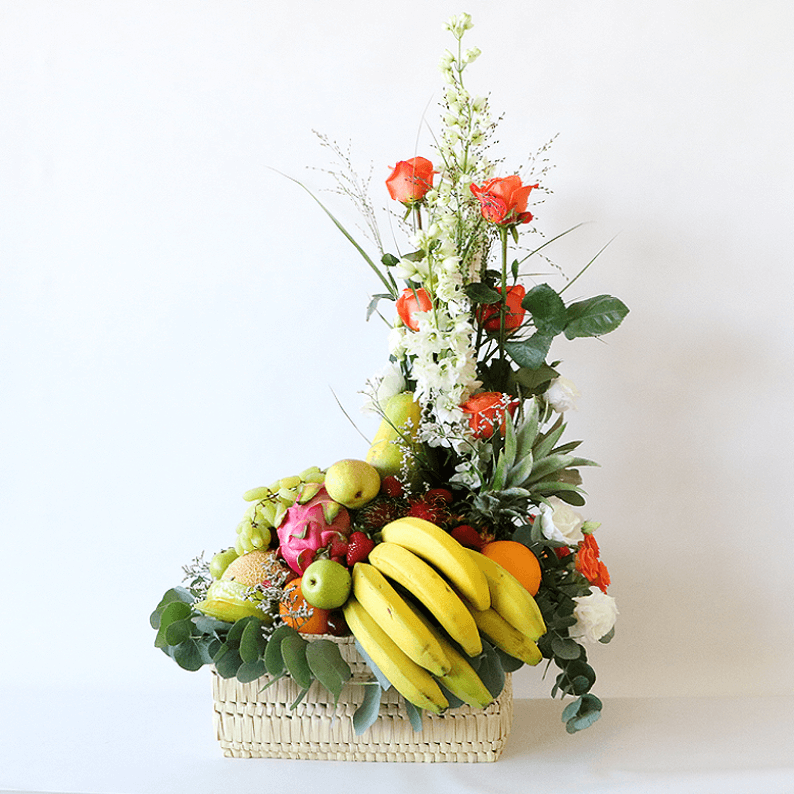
[(547, 309), (178, 631), (252, 642), (228, 664), (207, 625), (554, 463), (390, 260), (571, 497), (175, 594), (520, 473), (531, 380), (609, 636), (380, 677), (500, 472), (234, 637), (565, 648), (188, 656), (293, 649), (511, 444), (490, 670), (369, 710), (414, 715), (274, 661), (250, 671), (545, 443), (530, 353), (481, 293), (509, 663), (373, 304), (594, 316), (327, 666), (528, 430)]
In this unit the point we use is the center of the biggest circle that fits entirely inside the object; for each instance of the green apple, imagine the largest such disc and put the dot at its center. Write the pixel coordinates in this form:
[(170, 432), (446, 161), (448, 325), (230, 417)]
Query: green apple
[(221, 561), (326, 584), (352, 483)]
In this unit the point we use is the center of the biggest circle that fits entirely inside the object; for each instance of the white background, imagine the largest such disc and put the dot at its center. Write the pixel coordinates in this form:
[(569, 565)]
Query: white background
[(175, 317)]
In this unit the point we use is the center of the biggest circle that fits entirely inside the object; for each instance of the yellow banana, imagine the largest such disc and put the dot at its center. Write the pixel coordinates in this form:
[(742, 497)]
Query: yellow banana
[(413, 682), (391, 612), (430, 542), (430, 589), (462, 680), (510, 598), (506, 637)]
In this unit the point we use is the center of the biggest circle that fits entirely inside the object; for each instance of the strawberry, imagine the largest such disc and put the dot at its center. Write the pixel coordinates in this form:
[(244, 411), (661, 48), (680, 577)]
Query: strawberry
[(391, 486), (358, 548), (468, 536)]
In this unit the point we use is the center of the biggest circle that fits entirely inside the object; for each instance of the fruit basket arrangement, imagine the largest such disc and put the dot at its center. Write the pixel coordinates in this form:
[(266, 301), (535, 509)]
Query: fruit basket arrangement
[(376, 609)]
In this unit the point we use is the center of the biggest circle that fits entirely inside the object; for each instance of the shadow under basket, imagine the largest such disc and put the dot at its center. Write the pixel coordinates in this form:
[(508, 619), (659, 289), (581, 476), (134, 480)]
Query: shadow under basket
[(255, 723)]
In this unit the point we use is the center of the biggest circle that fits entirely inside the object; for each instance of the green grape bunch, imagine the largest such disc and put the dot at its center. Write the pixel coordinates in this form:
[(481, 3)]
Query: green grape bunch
[(269, 505)]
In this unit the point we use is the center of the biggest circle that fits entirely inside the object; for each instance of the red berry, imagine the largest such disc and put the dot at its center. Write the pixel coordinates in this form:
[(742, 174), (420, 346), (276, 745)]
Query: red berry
[(391, 486), (468, 536), (358, 548), (438, 495)]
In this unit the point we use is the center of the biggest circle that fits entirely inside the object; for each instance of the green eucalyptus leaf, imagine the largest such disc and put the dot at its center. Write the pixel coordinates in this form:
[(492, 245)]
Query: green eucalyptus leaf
[(369, 710), (565, 648), (274, 660), (530, 353), (250, 671), (228, 663), (175, 594), (608, 636), (490, 670), (509, 663), (188, 656), (293, 650), (178, 631), (547, 309), (414, 715), (235, 635), (327, 666), (207, 625), (571, 710), (594, 316), (453, 700), (252, 642)]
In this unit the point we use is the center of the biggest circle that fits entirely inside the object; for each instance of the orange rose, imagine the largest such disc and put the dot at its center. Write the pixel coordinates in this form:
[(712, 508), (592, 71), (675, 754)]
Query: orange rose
[(488, 314), (503, 200), (410, 180), (589, 564), (411, 302), (487, 411)]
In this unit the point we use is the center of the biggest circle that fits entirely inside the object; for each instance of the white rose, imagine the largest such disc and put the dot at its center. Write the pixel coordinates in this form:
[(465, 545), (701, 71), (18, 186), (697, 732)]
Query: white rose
[(595, 616), (561, 522), (562, 395)]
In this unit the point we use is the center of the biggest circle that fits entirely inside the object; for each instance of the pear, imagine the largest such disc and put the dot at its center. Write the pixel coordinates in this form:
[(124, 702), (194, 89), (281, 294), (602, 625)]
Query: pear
[(388, 453), (352, 483)]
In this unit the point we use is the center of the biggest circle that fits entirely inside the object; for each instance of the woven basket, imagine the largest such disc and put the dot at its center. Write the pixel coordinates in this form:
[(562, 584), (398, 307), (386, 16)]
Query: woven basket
[(251, 723)]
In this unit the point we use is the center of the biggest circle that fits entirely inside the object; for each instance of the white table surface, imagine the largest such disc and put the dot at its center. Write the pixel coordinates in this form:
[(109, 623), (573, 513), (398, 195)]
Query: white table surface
[(157, 742)]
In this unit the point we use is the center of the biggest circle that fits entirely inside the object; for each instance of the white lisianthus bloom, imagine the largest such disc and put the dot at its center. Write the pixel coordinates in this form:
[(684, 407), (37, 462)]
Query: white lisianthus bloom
[(595, 615), (562, 395), (396, 341), (561, 522)]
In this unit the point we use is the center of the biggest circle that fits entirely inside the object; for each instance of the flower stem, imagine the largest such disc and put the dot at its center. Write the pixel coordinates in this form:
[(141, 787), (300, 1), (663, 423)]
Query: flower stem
[(503, 307)]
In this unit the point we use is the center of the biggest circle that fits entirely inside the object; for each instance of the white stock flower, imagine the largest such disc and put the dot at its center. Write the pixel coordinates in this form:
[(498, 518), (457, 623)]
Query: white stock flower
[(561, 522), (595, 615), (562, 395), (386, 383)]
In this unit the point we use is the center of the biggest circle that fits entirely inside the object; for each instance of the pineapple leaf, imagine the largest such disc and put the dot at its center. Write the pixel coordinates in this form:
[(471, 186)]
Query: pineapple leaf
[(554, 463), (521, 471), (546, 441), (511, 444), (500, 473), (528, 431), (564, 449)]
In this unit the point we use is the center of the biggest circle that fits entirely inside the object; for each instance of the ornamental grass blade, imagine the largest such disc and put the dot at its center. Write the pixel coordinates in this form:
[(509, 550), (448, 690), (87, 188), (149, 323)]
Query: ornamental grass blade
[(389, 286)]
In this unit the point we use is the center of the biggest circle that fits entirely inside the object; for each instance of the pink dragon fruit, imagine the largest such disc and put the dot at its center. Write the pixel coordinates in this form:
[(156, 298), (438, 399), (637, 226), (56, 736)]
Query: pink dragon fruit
[(321, 524)]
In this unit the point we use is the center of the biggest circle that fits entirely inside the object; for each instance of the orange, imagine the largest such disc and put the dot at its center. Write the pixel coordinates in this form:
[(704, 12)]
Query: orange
[(311, 620), (517, 559)]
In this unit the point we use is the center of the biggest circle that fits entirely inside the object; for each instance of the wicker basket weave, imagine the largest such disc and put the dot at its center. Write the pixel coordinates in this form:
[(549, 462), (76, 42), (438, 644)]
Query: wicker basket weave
[(251, 723)]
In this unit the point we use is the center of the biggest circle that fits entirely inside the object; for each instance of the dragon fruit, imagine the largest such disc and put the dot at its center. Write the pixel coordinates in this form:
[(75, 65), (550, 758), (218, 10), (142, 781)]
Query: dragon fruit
[(318, 525)]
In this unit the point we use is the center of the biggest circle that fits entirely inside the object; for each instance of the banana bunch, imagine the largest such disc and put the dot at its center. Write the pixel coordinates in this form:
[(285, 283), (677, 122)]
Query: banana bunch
[(467, 595), (269, 505), (513, 622)]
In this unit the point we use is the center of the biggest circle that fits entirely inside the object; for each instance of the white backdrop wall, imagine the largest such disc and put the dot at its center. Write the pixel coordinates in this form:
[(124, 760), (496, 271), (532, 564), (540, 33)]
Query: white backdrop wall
[(175, 317)]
